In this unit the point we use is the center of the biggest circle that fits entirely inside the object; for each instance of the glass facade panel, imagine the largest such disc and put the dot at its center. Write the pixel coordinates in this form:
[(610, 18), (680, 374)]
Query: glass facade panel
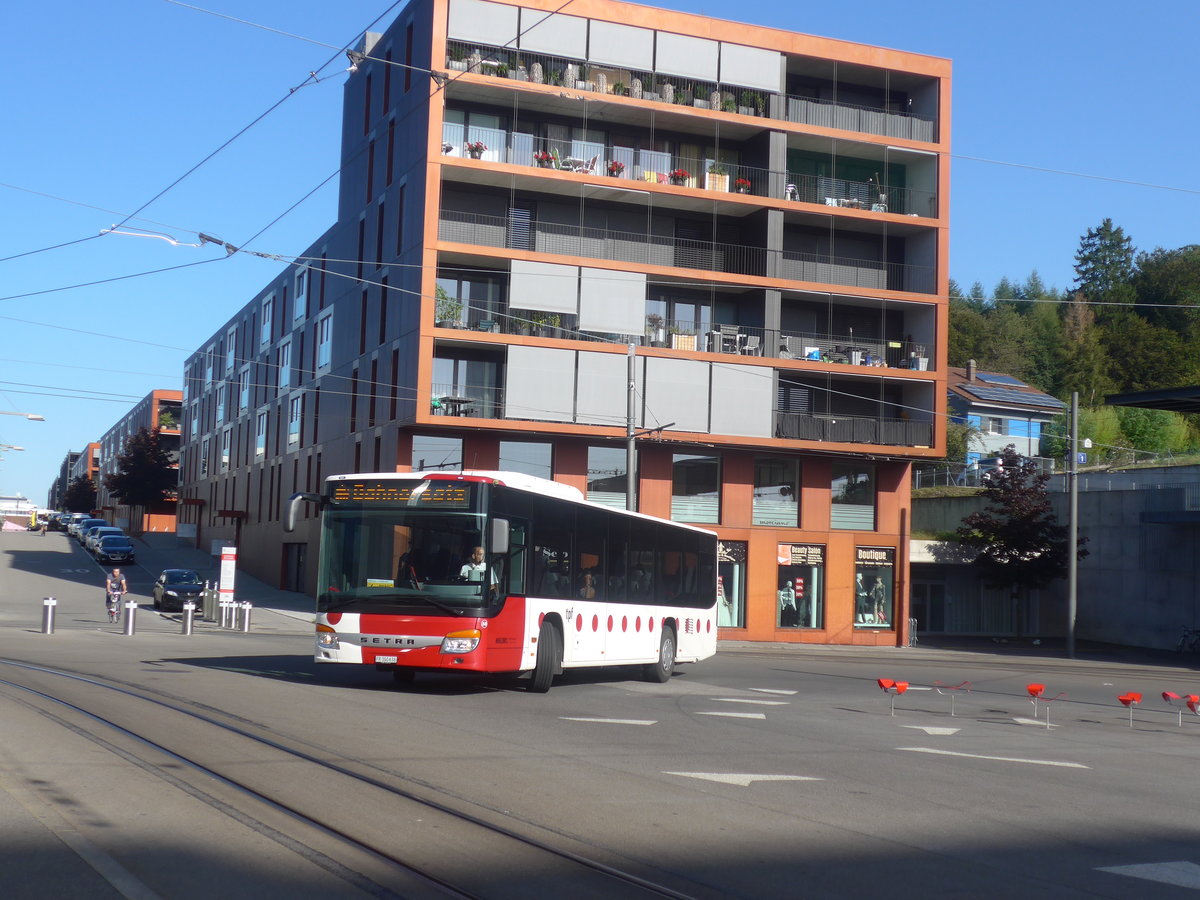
[(606, 476), (530, 457), (874, 586), (430, 453), (801, 586), (731, 584), (853, 499), (776, 492), (695, 488)]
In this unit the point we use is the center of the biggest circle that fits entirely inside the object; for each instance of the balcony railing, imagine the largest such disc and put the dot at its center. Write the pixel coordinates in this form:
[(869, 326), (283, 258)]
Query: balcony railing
[(579, 75), (656, 167), (862, 273), (467, 400), (853, 429)]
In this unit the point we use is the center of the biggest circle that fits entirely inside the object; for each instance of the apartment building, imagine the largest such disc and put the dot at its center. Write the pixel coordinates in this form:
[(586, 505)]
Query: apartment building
[(161, 409), (58, 487), (529, 197)]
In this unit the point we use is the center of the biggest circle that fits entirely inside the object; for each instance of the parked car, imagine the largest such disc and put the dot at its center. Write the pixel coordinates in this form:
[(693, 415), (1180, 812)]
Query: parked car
[(82, 527), (92, 538), (115, 548), (174, 587), (74, 520)]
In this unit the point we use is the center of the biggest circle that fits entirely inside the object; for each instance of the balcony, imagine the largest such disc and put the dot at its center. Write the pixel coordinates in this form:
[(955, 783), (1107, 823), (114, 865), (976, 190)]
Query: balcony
[(626, 164), (853, 429), (578, 75)]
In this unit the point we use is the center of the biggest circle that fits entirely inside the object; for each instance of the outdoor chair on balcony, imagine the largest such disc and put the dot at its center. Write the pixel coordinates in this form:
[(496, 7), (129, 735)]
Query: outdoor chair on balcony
[(752, 346)]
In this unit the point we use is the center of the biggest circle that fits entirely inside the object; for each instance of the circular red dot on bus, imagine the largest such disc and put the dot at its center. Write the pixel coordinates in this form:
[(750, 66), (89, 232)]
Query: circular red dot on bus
[(541, 618), (650, 624), (333, 618), (624, 623), (595, 623), (708, 626), (637, 624), (610, 621), (579, 623)]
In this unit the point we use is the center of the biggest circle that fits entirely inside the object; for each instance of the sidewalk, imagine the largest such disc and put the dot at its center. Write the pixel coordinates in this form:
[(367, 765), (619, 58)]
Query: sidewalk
[(274, 609)]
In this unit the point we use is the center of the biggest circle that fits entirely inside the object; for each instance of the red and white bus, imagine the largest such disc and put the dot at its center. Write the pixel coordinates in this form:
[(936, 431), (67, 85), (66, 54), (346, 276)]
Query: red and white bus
[(502, 572)]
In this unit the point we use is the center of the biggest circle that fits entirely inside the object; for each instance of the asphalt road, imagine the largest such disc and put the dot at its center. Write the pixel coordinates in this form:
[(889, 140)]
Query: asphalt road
[(759, 773)]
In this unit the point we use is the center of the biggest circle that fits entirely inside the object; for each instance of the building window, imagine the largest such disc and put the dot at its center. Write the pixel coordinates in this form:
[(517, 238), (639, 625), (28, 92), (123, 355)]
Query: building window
[(244, 389), (220, 404), (776, 492), (226, 440), (390, 165), (853, 499), (431, 453), (731, 584), (204, 448), (695, 488), (230, 350), (260, 435), (301, 286), (284, 360), (530, 457), (325, 340), (800, 586), (268, 318), (995, 426), (408, 56), (606, 476), (208, 366), (295, 417), (874, 580), (195, 430)]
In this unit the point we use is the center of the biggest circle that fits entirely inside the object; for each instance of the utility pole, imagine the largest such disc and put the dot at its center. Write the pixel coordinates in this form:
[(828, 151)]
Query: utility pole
[(1073, 516), (630, 436)]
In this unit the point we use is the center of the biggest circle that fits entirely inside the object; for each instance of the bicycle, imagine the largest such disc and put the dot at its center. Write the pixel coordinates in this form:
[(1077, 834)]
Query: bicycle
[(112, 602), (1189, 641)]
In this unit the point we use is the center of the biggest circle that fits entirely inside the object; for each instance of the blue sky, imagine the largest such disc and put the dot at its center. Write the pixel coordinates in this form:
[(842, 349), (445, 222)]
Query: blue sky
[(110, 104)]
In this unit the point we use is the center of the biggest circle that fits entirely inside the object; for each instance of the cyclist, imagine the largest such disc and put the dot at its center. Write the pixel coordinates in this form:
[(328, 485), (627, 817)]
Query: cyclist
[(114, 587)]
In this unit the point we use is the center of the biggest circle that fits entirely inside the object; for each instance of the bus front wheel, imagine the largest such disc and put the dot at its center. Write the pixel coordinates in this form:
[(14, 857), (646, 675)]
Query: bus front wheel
[(660, 672), (549, 659)]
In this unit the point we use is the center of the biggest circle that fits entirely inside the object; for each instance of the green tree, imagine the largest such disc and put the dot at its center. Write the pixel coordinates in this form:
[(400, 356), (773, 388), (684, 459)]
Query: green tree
[(959, 436), (1145, 357), (80, 495), (1019, 541), (1167, 287), (1152, 430), (1100, 424), (1007, 344), (1104, 266), (144, 471), (1083, 363)]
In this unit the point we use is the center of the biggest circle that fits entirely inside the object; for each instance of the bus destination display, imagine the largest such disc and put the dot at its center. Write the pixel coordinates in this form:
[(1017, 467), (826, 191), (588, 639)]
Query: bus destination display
[(428, 494)]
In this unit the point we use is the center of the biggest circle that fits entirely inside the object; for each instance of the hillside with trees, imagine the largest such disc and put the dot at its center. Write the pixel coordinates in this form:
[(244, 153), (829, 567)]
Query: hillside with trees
[(1130, 322)]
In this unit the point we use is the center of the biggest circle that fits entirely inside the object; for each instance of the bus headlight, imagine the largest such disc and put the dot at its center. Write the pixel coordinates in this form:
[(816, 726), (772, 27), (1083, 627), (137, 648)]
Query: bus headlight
[(460, 641), (327, 638)]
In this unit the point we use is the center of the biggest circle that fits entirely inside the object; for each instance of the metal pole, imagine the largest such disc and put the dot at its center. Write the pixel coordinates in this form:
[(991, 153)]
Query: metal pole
[(48, 604), (130, 610), (1073, 528), (189, 617), (246, 606), (630, 441)]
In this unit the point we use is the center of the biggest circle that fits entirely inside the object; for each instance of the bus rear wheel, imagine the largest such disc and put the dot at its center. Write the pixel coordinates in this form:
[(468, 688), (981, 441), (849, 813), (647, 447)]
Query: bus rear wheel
[(549, 659), (660, 672)]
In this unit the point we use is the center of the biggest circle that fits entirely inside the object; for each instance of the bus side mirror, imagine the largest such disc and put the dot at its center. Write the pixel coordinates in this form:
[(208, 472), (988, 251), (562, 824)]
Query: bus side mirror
[(293, 502), (499, 537)]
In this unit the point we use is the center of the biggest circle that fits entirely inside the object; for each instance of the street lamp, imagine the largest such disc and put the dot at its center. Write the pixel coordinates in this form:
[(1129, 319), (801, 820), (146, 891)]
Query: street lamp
[(10, 447), (31, 416)]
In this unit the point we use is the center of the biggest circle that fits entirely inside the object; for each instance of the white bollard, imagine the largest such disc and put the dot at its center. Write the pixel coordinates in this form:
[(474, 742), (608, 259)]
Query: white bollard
[(130, 610), (246, 607), (48, 605), (189, 616)]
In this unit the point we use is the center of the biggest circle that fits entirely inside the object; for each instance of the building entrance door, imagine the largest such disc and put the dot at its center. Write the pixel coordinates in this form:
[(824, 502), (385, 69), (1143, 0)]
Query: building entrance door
[(929, 606), (294, 556)]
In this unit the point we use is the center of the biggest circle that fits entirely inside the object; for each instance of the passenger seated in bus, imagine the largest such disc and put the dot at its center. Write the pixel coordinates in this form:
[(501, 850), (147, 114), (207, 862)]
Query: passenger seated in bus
[(639, 582), (587, 590)]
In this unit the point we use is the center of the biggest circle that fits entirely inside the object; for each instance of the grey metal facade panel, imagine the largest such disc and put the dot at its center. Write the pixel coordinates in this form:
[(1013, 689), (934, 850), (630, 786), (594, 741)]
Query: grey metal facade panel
[(742, 398), (561, 35), (539, 384), (751, 67), (691, 57), (622, 45), (611, 301), (544, 286), (677, 391), (602, 397), (478, 20)]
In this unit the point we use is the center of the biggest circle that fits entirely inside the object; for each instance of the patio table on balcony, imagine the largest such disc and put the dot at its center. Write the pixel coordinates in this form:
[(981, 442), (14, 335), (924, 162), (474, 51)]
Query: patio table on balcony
[(457, 406)]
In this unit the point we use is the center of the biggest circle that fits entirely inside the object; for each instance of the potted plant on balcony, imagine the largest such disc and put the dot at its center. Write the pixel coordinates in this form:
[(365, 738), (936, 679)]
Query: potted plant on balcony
[(717, 179), (742, 185), (616, 169), (475, 149), (656, 330), (544, 159), (678, 176), (544, 323), (447, 310), (619, 89), (746, 103)]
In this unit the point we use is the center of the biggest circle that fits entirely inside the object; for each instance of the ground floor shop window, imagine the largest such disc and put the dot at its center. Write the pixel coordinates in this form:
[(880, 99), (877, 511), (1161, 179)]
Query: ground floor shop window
[(731, 584), (801, 586), (874, 586)]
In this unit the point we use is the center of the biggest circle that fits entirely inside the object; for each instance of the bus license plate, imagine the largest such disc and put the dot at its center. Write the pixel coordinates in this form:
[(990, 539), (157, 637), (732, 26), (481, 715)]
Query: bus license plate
[(385, 659)]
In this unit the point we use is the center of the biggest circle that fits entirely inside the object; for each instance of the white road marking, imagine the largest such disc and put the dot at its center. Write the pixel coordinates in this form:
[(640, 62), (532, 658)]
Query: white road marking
[(934, 730), (773, 691), (733, 715), (610, 721), (1023, 721), (748, 700), (1031, 762), (1181, 874), (740, 780)]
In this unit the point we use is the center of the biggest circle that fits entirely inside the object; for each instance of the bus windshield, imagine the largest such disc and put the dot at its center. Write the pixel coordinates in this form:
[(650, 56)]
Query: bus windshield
[(393, 559)]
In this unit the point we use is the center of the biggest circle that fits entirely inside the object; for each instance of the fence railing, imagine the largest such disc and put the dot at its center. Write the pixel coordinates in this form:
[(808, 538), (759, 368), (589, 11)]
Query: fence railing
[(862, 273), (853, 429), (579, 75)]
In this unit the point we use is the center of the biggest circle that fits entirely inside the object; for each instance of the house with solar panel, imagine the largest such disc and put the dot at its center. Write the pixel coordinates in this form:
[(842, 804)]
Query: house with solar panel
[(1004, 409)]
